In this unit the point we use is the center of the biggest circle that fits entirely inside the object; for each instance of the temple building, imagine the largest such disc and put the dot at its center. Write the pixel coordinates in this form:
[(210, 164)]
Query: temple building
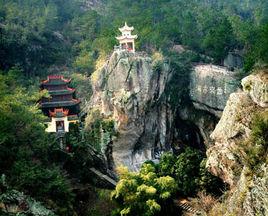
[(61, 107), (126, 40)]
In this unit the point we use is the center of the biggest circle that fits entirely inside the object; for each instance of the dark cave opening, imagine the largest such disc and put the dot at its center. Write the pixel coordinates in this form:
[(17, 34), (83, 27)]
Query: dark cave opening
[(186, 133)]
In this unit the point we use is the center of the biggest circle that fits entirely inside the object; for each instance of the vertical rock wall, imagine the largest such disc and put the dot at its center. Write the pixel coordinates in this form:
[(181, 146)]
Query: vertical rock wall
[(210, 87), (130, 90), (226, 158)]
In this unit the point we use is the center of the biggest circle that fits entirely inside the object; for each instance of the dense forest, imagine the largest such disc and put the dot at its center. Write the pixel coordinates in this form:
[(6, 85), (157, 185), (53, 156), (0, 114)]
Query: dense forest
[(37, 35), (42, 37)]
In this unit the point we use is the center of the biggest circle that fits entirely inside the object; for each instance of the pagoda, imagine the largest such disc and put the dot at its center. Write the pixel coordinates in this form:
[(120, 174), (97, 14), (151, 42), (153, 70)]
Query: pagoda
[(127, 40), (61, 107)]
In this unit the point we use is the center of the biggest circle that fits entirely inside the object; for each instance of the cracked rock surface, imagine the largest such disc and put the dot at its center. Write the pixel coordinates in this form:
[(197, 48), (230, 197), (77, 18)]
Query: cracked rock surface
[(129, 90)]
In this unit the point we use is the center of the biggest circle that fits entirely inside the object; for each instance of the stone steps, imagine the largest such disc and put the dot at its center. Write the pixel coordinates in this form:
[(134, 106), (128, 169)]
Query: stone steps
[(103, 176), (184, 205)]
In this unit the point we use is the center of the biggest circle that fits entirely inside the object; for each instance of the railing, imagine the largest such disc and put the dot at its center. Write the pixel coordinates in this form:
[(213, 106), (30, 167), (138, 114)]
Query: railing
[(213, 68), (117, 48)]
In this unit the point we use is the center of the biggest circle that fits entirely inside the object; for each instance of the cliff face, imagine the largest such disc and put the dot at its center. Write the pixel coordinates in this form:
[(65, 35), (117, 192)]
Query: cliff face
[(233, 127), (257, 88), (131, 89), (203, 121), (210, 87), (128, 89), (226, 158)]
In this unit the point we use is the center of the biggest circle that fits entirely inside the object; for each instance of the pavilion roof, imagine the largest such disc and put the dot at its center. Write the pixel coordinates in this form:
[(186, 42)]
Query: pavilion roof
[(55, 80), (59, 112), (127, 37), (60, 104), (62, 92), (126, 28)]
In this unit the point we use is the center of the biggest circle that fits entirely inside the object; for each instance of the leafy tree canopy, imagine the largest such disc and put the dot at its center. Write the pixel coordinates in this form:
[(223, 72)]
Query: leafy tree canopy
[(25, 147)]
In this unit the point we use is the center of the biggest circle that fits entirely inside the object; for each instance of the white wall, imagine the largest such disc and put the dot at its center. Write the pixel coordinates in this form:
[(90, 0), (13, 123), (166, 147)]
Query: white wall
[(52, 125)]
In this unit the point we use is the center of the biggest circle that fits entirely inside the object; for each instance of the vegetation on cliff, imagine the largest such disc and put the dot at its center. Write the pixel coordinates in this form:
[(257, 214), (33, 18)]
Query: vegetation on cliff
[(249, 192), (256, 147), (25, 147)]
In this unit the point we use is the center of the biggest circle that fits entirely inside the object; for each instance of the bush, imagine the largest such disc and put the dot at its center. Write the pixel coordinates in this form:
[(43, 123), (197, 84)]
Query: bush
[(142, 193), (256, 146), (150, 191), (166, 164), (188, 170)]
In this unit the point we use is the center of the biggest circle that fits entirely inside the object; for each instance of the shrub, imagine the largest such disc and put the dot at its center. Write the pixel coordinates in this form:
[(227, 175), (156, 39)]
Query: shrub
[(142, 193), (256, 146), (209, 183), (189, 171), (186, 171)]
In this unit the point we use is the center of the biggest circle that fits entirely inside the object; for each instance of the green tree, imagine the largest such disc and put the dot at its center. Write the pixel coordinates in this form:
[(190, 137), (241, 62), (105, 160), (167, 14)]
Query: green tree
[(25, 148), (142, 193), (189, 171), (32, 34), (219, 39), (186, 171)]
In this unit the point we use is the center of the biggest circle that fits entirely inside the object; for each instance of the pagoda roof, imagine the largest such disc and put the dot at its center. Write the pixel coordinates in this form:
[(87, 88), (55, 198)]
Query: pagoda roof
[(126, 28), (59, 112), (55, 80), (59, 104), (127, 37), (62, 92)]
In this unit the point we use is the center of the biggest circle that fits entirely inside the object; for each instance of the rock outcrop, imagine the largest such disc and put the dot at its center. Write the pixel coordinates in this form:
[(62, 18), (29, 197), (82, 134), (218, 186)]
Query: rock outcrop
[(210, 87), (234, 126), (14, 202), (226, 158), (257, 88), (129, 89)]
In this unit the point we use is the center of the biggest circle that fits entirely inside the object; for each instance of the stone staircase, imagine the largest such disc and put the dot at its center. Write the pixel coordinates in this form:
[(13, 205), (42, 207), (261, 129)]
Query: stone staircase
[(185, 206)]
